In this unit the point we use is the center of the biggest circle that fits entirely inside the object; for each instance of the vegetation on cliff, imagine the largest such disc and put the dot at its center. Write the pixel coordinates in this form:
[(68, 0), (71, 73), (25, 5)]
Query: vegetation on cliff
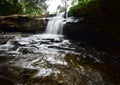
[(101, 14)]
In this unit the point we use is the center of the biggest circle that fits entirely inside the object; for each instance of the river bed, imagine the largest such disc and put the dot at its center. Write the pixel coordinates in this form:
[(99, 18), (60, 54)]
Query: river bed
[(44, 59)]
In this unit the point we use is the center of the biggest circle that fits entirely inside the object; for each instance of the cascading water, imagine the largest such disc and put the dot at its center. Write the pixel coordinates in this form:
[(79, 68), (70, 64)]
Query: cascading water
[(55, 24)]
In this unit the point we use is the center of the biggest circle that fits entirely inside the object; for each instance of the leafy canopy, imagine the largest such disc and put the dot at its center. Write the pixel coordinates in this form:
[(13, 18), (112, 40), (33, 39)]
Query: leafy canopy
[(33, 7)]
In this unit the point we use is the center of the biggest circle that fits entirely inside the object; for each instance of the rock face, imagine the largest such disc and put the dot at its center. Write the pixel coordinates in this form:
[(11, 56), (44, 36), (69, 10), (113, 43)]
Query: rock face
[(79, 29), (21, 23)]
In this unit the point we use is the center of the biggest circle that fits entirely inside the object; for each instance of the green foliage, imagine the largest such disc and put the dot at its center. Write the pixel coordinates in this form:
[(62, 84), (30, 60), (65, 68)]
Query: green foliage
[(84, 8), (33, 7), (8, 8), (30, 8), (102, 14)]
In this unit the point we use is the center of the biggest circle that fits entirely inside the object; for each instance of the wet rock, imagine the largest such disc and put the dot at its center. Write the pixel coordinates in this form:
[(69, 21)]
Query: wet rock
[(5, 38), (26, 50), (14, 42), (10, 72), (61, 48), (17, 74), (54, 40), (43, 81), (4, 81), (6, 58), (39, 64), (28, 74)]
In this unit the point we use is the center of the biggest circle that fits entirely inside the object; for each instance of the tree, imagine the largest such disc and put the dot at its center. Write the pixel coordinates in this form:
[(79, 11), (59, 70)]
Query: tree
[(64, 7), (34, 7), (8, 7)]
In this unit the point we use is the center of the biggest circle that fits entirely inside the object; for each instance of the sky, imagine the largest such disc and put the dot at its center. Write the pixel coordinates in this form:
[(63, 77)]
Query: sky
[(52, 5)]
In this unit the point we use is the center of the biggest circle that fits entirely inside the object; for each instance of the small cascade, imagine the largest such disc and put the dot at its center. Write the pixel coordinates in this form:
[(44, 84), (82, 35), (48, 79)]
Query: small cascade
[(55, 24)]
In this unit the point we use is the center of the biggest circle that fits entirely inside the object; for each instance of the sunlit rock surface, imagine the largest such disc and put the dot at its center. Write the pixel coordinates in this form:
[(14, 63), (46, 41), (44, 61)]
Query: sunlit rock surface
[(53, 60), (22, 23)]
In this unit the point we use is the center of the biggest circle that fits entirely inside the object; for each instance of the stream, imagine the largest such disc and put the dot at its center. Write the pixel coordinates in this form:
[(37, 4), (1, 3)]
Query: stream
[(44, 59), (52, 59)]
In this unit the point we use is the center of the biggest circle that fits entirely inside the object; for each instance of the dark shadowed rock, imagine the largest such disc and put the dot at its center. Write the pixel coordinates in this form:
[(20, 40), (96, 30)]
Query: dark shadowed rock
[(79, 29)]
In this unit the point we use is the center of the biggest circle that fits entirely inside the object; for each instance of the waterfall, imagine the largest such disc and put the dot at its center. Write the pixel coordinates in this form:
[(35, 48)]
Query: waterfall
[(55, 24)]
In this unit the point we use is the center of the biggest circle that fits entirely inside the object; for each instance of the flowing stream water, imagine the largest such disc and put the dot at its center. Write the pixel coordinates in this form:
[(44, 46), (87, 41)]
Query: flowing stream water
[(50, 59)]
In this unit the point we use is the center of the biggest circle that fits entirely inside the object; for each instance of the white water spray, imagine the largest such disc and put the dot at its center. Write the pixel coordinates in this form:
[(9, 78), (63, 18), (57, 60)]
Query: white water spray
[(55, 24)]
